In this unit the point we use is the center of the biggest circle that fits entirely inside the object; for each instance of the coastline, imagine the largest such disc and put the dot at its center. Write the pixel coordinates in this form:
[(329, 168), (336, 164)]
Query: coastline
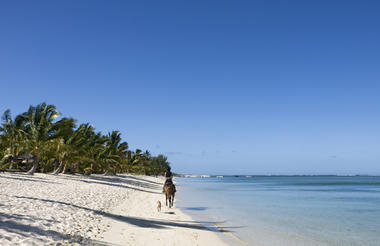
[(225, 232), (93, 210)]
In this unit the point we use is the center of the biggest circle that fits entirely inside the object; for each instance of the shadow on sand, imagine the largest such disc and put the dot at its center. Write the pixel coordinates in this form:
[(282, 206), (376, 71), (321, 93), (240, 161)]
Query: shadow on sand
[(115, 181), (124, 181), (28, 178), (15, 223), (143, 180), (140, 222), (8, 223), (11, 226)]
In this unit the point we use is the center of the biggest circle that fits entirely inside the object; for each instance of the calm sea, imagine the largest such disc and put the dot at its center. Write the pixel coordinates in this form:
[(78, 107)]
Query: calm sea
[(286, 210)]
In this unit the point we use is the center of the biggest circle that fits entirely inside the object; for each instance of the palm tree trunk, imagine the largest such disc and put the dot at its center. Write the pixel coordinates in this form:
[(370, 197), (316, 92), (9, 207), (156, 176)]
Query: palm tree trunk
[(58, 170), (64, 169), (12, 166), (34, 167), (10, 160), (110, 172)]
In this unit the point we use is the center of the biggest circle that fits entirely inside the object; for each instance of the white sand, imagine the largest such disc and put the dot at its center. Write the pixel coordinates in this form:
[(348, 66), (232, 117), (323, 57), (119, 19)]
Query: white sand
[(99, 210)]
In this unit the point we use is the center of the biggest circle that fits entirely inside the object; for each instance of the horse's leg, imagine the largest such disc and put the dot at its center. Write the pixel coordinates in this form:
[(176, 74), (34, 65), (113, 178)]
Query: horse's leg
[(172, 199), (166, 200)]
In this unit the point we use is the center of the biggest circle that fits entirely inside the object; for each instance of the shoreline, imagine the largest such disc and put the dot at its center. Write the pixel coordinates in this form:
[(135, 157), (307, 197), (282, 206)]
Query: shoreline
[(168, 227), (224, 232), (93, 210)]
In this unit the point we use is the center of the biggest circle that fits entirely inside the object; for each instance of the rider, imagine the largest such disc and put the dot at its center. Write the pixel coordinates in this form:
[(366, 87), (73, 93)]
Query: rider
[(168, 178)]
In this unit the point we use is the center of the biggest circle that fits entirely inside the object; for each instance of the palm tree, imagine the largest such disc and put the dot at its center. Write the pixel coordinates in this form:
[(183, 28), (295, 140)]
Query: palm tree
[(141, 161), (87, 148), (127, 165), (64, 130), (159, 164), (35, 134), (146, 162), (114, 152), (80, 146), (10, 139), (39, 129)]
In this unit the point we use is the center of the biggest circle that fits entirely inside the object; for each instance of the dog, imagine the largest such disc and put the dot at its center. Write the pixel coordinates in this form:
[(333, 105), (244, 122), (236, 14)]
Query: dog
[(158, 206)]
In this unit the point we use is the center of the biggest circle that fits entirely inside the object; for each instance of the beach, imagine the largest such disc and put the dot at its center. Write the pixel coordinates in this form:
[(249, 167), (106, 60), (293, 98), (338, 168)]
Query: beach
[(46, 209)]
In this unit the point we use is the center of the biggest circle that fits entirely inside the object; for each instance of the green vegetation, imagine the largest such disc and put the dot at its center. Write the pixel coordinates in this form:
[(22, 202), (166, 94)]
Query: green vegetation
[(37, 140)]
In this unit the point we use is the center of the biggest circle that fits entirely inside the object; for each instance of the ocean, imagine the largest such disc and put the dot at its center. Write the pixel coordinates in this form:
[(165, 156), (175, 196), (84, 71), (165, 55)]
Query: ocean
[(286, 210)]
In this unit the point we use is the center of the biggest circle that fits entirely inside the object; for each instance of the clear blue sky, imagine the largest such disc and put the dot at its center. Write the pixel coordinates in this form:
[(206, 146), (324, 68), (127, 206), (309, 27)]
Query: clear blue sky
[(242, 87)]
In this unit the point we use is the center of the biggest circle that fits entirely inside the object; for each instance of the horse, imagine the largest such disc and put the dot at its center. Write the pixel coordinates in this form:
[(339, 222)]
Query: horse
[(169, 193)]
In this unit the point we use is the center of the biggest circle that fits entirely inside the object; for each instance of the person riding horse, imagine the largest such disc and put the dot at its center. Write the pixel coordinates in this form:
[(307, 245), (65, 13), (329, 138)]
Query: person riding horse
[(168, 179)]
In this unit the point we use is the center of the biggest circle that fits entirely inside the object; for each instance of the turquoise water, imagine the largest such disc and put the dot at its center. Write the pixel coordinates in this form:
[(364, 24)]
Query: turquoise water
[(287, 210)]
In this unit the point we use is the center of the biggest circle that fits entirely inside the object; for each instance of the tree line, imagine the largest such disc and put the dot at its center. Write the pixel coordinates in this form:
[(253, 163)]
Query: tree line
[(38, 140)]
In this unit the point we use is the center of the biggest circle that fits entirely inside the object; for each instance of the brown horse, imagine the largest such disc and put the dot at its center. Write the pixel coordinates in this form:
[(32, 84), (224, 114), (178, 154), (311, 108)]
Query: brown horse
[(169, 193)]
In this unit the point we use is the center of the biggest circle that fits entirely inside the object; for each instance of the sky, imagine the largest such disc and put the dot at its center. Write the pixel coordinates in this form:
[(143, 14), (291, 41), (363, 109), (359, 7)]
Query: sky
[(220, 87)]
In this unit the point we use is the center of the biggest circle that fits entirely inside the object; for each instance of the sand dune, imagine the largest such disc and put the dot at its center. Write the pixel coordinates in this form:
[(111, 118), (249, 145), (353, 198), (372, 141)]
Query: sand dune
[(98, 210)]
